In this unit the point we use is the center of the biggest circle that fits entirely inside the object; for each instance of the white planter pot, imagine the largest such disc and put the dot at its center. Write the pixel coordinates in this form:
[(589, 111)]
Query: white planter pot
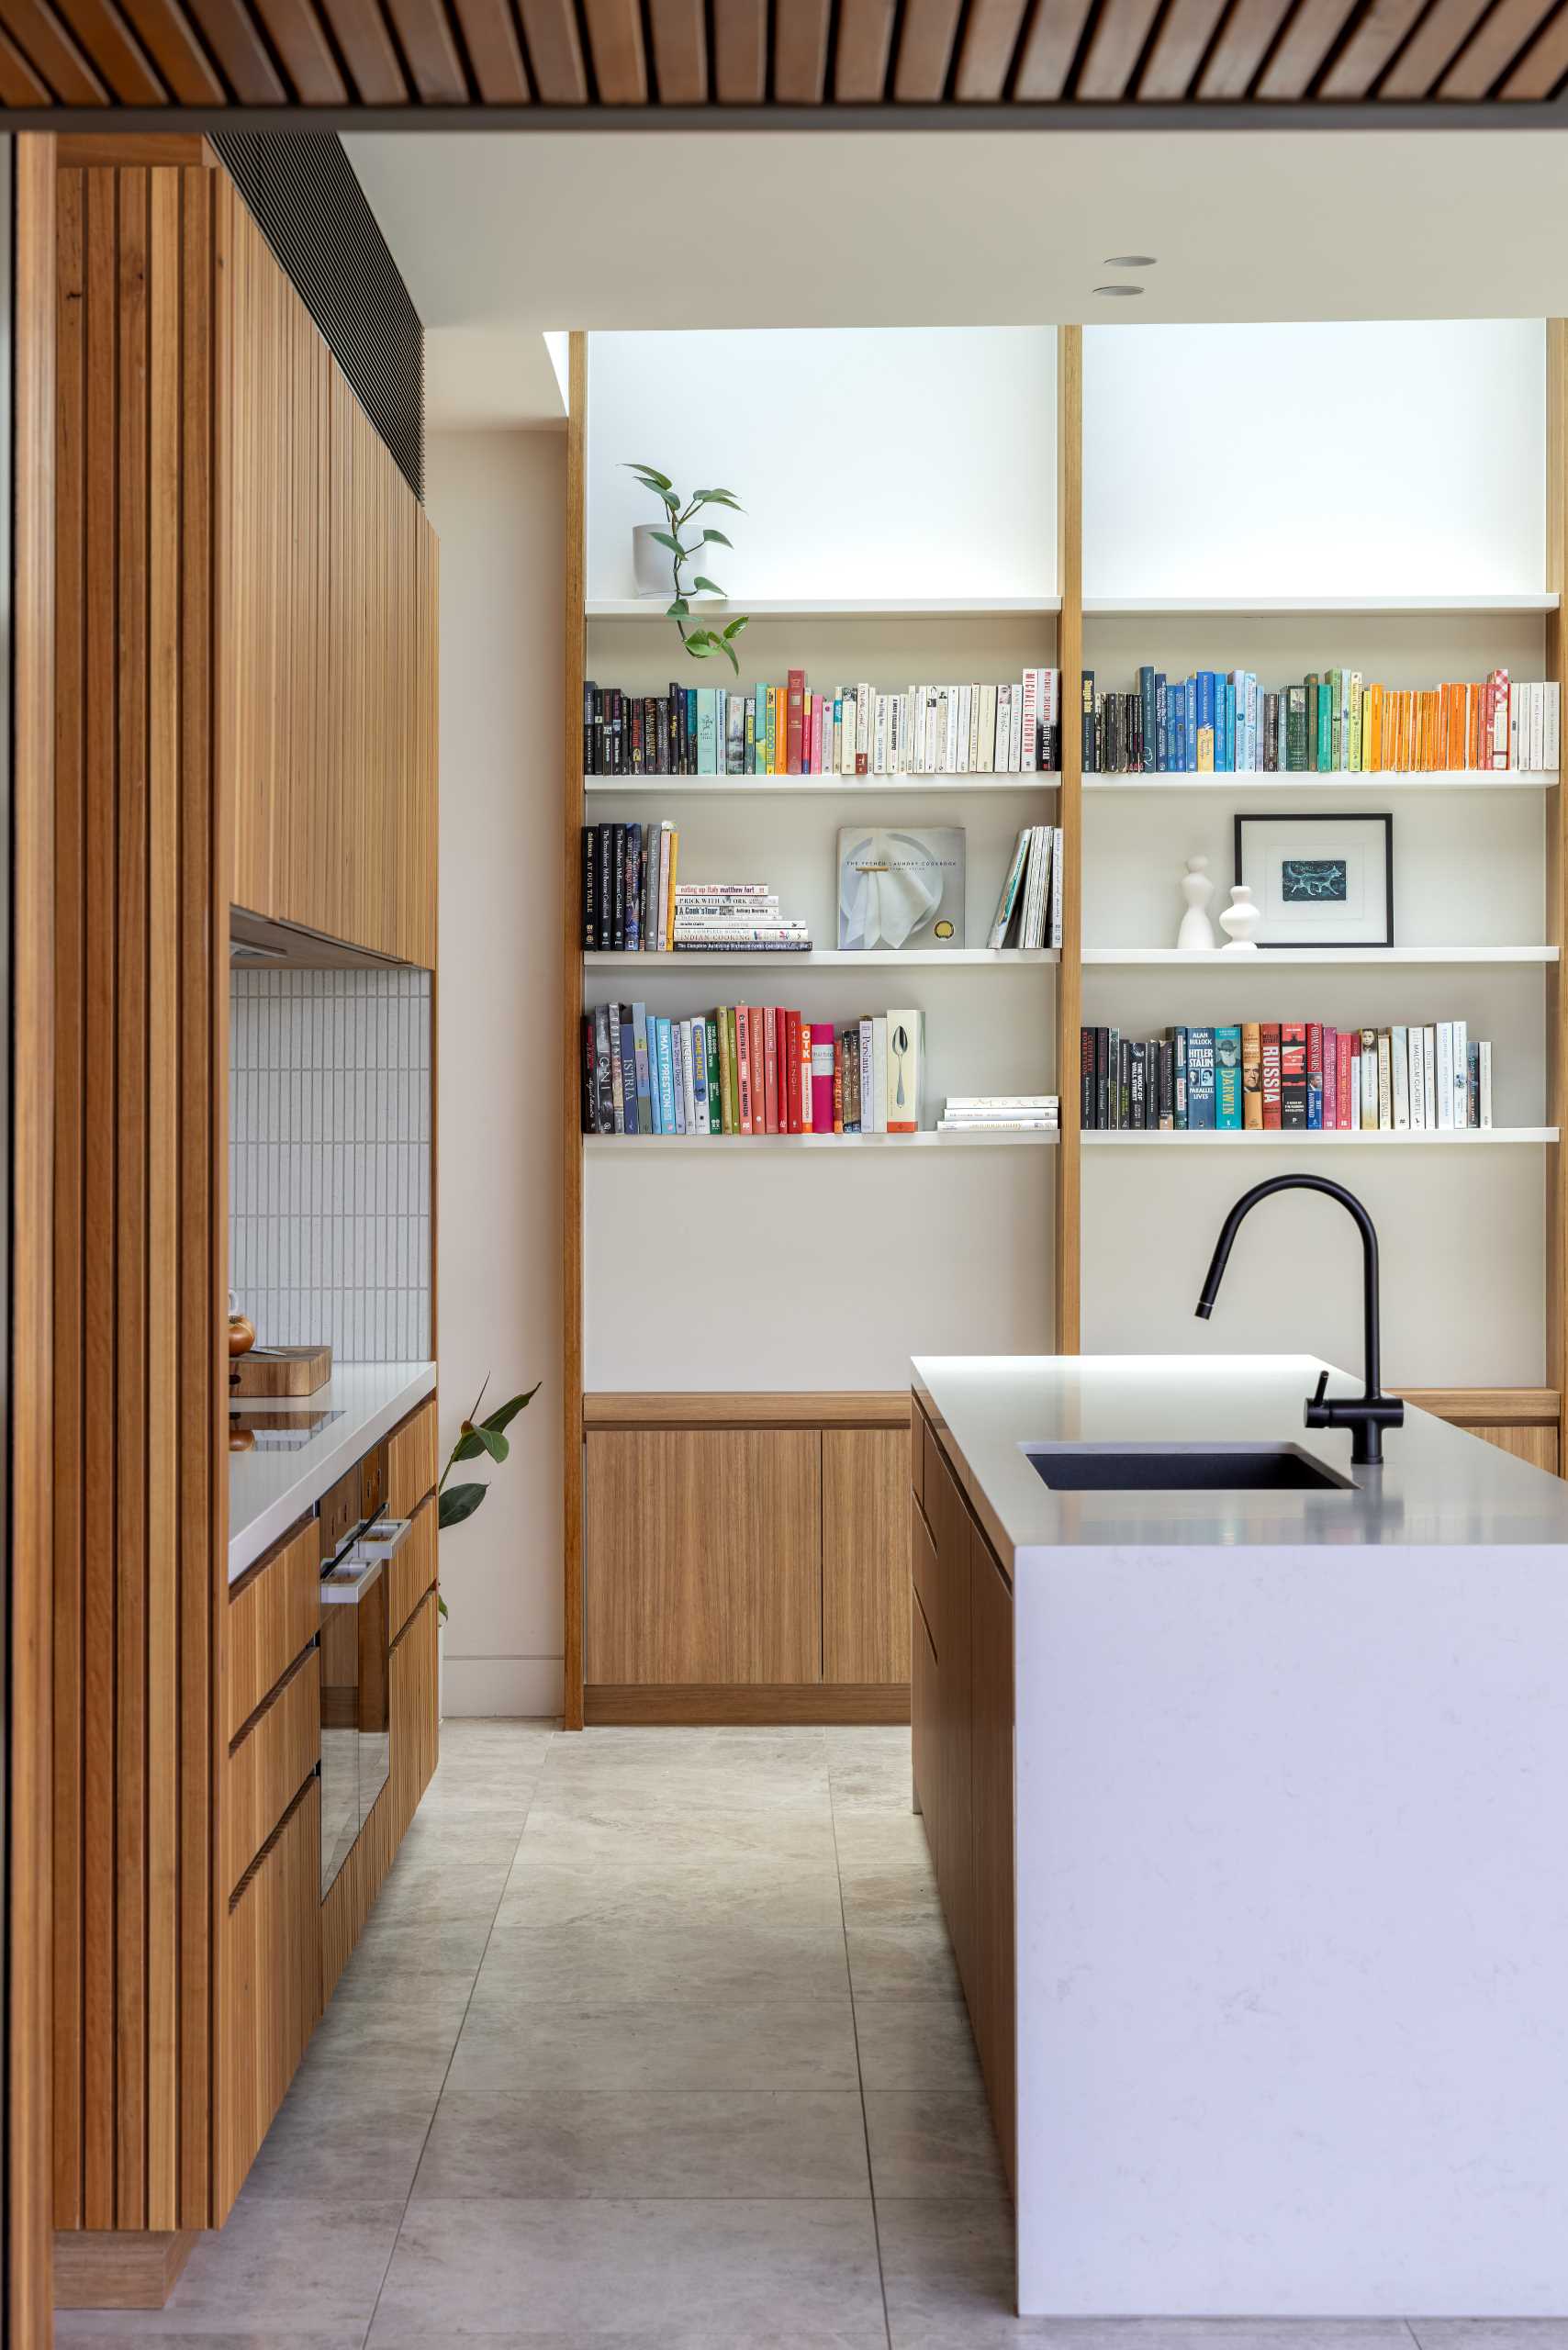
[(651, 564)]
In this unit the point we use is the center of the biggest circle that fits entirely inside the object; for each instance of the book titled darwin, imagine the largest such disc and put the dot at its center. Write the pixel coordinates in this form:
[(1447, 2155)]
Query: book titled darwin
[(901, 890)]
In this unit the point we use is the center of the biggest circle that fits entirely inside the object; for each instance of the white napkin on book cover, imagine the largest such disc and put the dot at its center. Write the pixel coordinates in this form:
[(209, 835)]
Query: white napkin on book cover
[(884, 898)]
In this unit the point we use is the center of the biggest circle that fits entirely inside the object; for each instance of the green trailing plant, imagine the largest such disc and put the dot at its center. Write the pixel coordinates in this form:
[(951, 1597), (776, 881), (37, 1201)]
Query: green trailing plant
[(700, 643), (476, 1436)]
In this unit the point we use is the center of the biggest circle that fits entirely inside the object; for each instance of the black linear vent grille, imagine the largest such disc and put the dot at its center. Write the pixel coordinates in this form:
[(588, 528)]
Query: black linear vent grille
[(312, 210)]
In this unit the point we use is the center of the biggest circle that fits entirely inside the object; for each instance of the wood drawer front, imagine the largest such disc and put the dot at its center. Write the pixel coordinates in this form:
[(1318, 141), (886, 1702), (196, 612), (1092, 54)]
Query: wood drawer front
[(274, 1613), (415, 1730), (411, 1464), (270, 1990), (916, 1450), (922, 1566), (270, 1764), (410, 1570), (864, 1560)]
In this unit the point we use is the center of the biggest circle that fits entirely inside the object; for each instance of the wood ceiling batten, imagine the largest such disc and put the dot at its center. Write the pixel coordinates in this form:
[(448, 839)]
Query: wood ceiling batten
[(19, 85), (554, 52), (1179, 48), (295, 30), (740, 51), (1050, 44), (231, 34), (927, 32), (680, 52), (425, 33), (1493, 47), (495, 53), (120, 56), (799, 52), (1438, 38), (1242, 43), (985, 53), (1121, 28), (615, 42), (861, 52), (1307, 41), (1543, 64), (48, 44), (366, 48), (1374, 40)]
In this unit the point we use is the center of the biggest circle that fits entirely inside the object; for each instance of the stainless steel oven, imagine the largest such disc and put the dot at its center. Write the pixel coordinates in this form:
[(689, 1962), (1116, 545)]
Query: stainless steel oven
[(356, 1627)]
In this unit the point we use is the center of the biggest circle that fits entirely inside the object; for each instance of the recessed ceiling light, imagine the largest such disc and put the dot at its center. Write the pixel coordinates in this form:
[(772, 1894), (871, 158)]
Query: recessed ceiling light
[(1119, 293), (1130, 261)]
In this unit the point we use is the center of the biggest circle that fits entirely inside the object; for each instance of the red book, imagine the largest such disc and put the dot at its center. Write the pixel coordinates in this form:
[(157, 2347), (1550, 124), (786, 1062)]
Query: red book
[(759, 1071), (1330, 1076), (789, 1071), (795, 724), (1271, 1050), (780, 1019), (821, 1043), (1349, 1075), (743, 1069), (802, 1065)]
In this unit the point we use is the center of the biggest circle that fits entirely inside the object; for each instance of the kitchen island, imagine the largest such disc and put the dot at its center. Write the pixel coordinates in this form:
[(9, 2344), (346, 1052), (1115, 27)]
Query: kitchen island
[(1247, 1812)]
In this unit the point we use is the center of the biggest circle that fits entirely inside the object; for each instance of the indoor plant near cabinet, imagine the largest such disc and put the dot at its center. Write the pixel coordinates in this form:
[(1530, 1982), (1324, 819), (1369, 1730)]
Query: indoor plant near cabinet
[(456, 1503), (657, 549)]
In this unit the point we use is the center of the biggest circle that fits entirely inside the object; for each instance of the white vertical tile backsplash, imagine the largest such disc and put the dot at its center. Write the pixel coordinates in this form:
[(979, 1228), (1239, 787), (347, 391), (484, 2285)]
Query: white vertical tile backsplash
[(328, 1159)]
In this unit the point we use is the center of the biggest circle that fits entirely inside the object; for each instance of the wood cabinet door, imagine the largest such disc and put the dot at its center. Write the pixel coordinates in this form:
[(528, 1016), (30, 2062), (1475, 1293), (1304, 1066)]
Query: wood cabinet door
[(415, 1717), (704, 1556), (925, 1699), (1536, 1443), (865, 1554), (269, 1990), (955, 1860), (991, 1815)]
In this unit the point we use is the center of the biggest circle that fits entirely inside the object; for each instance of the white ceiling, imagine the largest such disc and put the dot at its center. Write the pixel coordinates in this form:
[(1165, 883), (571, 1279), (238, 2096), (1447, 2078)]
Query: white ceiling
[(503, 235)]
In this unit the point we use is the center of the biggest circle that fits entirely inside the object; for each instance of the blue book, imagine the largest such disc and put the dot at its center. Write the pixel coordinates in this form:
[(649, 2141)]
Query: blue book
[(640, 1063), (1230, 726), (1190, 726), (699, 1035), (1207, 744), (1178, 1038), (1161, 726), (690, 697), (1227, 1079), (1151, 722), (707, 730), (1201, 1079), (626, 1044), (710, 1045), (668, 1123)]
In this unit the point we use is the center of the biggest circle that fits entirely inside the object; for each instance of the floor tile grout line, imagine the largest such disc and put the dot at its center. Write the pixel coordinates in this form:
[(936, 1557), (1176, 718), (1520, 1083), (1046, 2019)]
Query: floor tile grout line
[(467, 2006), (860, 2073)]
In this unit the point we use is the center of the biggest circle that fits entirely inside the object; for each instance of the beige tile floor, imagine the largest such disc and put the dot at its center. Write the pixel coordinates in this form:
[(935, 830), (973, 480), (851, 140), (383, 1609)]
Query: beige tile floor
[(654, 2037)]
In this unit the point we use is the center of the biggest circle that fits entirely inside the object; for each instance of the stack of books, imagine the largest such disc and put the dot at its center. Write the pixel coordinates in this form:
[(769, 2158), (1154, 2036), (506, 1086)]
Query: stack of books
[(750, 1069), (1333, 722), (1028, 912), (851, 731), (734, 918), (1298, 1076), (1000, 1114), (629, 887)]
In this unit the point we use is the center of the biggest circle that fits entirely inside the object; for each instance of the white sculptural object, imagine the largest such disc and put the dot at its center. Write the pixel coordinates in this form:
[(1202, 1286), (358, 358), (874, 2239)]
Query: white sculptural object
[(1196, 935), (1239, 921)]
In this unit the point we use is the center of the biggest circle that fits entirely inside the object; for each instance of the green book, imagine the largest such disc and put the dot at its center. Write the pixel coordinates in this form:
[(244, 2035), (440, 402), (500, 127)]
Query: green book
[(735, 1125), (1227, 1078), (1324, 727), (1311, 760), (1295, 729), (1335, 758), (715, 1103)]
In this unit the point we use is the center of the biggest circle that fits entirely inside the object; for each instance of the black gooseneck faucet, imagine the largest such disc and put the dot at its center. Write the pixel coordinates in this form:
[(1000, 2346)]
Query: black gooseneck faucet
[(1368, 1415)]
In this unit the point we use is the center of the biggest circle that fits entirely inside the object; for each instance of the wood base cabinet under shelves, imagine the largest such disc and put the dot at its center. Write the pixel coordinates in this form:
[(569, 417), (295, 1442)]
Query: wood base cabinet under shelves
[(753, 1572)]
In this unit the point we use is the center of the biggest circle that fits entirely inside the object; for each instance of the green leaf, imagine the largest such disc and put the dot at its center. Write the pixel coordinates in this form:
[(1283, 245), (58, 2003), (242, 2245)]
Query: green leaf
[(678, 611), (504, 1414), (441, 1607), (459, 1502), (735, 626), (668, 539), (699, 644), (494, 1442), (717, 498), (711, 585), (728, 651), (651, 472), (717, 538)]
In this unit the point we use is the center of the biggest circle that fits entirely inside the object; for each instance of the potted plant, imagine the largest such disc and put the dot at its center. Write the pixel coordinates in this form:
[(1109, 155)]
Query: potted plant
[(456, 1502), (659, 560)]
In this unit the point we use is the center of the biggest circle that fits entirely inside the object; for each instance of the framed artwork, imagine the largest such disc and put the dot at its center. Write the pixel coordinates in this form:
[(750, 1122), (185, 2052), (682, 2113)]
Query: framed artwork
[(1319, 880)]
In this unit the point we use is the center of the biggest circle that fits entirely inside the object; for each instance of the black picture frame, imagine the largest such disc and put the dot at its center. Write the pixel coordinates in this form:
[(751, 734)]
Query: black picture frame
[(1340, 818)]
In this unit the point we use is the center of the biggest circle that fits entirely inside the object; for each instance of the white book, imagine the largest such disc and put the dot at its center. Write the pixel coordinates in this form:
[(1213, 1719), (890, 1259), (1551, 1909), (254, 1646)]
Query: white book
[(868, 1081), (1400, 1043), (975, 762), (1515, 713), (1549, 729), (1483, 1053), (1009, 889), (987, 730), (1039, 887), (1538, 726), (1004, 729), (928, 722), (1445, 1074), (1057, 862), (949, 730), (879, 1074), (1417, 1059), (981, 1119), (1429, 1070), (1461, 1074), (1031, 715), (1050, 712), (847, 732), (665, 910), (906, 1073), (879, 747), (1368, 1065), (862, 727), (1015, 728), (688, 1080), (961, 720), (957, 1102), (1002, 1127)]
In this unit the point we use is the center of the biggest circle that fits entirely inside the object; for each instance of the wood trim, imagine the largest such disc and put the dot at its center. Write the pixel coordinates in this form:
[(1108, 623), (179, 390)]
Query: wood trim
[(107, 151), (760, 1704), (26, 1657), (1066, 1159), (1556, 647), (696, 1410), (119, 2269), (575, 608), (1507, 1408)]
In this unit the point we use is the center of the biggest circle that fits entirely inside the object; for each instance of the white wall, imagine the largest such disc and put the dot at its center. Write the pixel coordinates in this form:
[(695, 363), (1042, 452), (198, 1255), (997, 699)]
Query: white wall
[(497, 500), (901, 461)]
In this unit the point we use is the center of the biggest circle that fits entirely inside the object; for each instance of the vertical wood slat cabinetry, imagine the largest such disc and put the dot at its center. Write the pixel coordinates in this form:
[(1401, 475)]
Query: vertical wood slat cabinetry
[(142, 1032), (961, 1723), (330, 576), (865, 1590)]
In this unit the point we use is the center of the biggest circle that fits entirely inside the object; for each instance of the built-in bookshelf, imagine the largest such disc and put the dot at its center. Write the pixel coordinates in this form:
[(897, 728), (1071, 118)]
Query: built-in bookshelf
[(1020, 1243)]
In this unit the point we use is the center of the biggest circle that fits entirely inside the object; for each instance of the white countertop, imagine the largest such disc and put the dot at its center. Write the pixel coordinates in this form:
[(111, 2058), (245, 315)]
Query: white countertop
[(269, 1490), (1437, 1484)]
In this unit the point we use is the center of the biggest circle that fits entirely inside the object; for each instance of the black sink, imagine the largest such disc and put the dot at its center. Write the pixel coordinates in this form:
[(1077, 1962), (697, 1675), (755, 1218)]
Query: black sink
[(1181, 1468)]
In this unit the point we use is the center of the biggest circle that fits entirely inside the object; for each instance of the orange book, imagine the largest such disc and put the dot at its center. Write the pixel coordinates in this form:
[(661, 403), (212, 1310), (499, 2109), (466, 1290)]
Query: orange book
[(1373, 750)]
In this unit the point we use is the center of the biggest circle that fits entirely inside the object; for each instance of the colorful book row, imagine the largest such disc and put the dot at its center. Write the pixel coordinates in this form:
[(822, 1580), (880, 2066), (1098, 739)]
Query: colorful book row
[(1294, 1076), (749, 1069)]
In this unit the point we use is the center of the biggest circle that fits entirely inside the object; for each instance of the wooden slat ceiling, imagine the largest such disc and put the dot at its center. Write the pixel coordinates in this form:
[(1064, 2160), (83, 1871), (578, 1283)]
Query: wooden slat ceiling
[(706, 57)]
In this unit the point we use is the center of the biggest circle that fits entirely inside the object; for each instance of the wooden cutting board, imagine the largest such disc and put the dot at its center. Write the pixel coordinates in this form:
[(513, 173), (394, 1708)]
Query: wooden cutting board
[(280, 1370)]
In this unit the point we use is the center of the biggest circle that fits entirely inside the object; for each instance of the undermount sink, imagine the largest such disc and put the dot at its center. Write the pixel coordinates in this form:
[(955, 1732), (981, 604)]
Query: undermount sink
[(1181, 1468)]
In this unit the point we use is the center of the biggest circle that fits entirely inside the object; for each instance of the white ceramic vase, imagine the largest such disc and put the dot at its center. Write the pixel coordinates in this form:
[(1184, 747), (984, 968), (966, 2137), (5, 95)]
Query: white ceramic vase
[(1196, 935), (1239, 921)]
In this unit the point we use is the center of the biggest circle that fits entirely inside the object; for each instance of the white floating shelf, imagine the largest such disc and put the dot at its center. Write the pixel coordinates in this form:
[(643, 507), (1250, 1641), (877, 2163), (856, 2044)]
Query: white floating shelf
[(597, 1144), (1314, 956), (848, 787), (1266, 607), (1270, 785), (1463, 1138), (961, 959), (768, 608)]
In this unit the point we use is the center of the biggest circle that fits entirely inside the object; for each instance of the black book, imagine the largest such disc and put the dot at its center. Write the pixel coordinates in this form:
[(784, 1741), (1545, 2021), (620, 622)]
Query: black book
[(588, 1086), (604, 1084), (1101, 1117), (1138, 1087), (606, 897), (590, 888), (618, 887), (1166, 1105), (1086, 1077), (589, 693), (1087, 706), (1125, 1104), (676, 730)]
